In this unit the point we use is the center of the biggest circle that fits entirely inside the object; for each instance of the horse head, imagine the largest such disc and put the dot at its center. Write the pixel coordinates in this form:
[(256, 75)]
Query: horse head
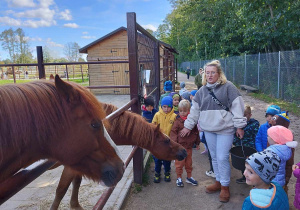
[(166, 149), (88, 148)]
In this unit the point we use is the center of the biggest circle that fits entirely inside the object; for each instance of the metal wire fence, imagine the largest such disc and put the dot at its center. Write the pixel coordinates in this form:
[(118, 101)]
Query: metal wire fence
[(275, 74)]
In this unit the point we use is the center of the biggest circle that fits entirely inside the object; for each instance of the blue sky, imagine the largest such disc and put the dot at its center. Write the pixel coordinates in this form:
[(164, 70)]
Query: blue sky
[(54, 23)]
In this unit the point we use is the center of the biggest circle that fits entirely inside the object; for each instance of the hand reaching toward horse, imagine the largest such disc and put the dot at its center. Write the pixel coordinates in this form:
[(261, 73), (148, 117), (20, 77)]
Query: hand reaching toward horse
[(185, 132)]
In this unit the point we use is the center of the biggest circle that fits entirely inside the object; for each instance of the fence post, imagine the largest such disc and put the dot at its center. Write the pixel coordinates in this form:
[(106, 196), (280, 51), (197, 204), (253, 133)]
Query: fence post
[(233, 72), (278, 81), (134, 88), (258, 65), (245, 72), (157, 72), (225, 66), (40, 60)]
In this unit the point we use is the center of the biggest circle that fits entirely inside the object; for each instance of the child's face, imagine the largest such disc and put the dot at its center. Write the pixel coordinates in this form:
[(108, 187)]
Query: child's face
[(183, 112), (247, 115), (149, 108), (175, 101), (269, 118), (166, 109), (271, 141), (252, 178)]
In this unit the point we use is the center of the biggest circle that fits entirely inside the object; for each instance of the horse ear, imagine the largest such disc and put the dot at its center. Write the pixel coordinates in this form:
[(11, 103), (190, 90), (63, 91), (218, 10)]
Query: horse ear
[(66, 90)]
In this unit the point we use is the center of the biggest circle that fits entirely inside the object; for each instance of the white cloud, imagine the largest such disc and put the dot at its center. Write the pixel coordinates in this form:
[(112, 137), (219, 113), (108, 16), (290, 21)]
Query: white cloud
[(65, 15), (85, 32), (149, 26), (38, 23), (88, 37), (71, 25), (53, 44), (10, 21), (21, 3), (42, 13)]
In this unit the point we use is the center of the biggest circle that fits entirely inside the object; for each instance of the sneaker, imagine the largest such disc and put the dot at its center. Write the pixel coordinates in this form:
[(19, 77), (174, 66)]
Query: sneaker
[(192, 181), (210, 173), (156, 178), (179, 182), (167, 177), (241, 180)]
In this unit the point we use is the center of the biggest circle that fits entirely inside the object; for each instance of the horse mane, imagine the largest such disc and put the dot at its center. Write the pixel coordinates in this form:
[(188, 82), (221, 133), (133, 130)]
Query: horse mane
[(131, 126), (34, 112)]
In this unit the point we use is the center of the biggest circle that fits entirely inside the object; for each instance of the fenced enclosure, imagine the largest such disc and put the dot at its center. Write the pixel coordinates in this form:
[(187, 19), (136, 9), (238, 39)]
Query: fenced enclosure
[(275, 74)]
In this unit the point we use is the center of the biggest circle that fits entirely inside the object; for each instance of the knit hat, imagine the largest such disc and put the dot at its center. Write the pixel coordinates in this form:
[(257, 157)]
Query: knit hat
[(167, 100), (168, 85), (186, 96), (193, 92), (282, 135), (265, 164), (149, 101), (273, 110), (182, 84), (175, 95), (282, 119)]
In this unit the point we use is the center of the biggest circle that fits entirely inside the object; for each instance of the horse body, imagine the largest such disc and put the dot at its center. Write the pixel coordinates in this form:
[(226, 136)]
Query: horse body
[(58, 121), (127, 129)]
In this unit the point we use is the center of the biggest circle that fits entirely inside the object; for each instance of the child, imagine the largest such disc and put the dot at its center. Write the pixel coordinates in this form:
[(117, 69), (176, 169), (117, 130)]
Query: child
[(187, 142), (193, 93), (261, 168), (186, 95), (261, 137), (296, 172), (148, 110), (284, 120), (248, 140), (182, 88), (168, 86), (165, 118), (176, 99), (281, 142)]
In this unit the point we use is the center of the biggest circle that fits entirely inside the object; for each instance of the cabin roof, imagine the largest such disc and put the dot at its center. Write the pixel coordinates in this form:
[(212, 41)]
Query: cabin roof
[(84, 49)]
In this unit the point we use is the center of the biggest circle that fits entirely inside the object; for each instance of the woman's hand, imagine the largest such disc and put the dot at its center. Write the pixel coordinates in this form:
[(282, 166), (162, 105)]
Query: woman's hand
[(239, 133), (294, 167), (185, 132)]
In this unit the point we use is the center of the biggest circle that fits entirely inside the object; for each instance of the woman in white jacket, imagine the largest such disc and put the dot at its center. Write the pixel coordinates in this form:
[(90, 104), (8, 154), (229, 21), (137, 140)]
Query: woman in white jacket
[(219, 108)]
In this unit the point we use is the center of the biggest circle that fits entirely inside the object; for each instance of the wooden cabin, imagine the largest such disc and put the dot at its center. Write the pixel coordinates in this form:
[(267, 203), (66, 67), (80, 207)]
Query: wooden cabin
[(113, 47)]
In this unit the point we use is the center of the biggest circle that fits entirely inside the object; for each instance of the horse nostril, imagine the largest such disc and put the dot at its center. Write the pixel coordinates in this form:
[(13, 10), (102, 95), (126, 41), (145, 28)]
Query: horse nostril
[(181, 154)]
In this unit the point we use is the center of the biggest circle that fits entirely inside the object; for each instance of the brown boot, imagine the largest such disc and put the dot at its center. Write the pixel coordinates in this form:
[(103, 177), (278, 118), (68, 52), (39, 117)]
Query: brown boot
[(213, 188), (225, 194)]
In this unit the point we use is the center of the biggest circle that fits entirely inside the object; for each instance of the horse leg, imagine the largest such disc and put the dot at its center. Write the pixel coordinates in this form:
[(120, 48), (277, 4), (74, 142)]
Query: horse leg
[(74, 203), (63, 185)]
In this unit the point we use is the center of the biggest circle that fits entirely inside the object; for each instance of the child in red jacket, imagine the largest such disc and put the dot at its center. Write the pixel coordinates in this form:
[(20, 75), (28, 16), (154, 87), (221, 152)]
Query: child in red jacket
[(187, 142)]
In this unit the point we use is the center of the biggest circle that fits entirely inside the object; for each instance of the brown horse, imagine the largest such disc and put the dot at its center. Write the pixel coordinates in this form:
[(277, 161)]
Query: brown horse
[(58, 121), (127, 129)]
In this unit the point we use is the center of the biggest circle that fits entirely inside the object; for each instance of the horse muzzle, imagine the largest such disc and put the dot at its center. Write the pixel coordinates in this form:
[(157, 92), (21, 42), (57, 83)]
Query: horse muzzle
[(112, 175), (181, 154)]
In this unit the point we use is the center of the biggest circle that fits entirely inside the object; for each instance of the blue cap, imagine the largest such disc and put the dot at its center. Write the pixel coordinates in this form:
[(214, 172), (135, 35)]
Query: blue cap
[(167, 100), (168, 85), (273, 110), (193, 92)]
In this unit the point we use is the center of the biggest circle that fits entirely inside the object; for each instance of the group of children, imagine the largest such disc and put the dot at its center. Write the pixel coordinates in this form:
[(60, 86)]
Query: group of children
[(268, 171), (173, 111)]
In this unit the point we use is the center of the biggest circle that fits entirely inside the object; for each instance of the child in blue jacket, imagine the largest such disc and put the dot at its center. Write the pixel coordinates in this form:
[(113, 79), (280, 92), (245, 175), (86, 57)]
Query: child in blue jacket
[(261, 168), (148, 110), (261, 138)]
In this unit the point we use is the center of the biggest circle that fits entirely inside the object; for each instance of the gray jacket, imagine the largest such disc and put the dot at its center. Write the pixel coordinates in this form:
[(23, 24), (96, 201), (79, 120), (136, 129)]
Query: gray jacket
[(211, 116)]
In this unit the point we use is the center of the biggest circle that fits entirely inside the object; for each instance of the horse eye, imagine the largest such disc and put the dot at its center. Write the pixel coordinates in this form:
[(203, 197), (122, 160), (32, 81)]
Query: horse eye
[(167, 141), (96, 125)]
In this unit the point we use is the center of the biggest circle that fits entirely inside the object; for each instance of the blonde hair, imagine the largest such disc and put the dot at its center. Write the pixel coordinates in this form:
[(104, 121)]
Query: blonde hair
[(184, 104), (247, 109), (216, 63)]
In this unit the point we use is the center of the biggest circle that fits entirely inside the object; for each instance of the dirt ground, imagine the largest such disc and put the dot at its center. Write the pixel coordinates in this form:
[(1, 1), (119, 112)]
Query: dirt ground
[(168, 196)]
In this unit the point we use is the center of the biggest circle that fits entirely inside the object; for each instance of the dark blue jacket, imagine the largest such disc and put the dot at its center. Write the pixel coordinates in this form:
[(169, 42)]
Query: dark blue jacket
[(149, 115)]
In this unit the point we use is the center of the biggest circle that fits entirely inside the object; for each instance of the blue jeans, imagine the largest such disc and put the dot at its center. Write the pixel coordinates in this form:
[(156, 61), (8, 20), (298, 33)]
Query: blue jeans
[(219, 146), (159, 162)]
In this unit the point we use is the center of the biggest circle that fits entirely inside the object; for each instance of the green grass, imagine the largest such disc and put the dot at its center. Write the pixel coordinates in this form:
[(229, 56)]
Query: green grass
[(285, 105)]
